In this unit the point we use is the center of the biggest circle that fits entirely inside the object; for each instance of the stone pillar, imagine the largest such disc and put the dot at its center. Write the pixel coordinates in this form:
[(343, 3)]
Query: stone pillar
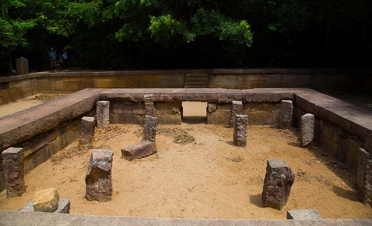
[(98, 179), (138, 150), (22, 66), (87, 128), (236, 109), (277, 185), (364, 176), (240, 130), (103, 113), (149, 130), (286, 114), (307, 129), (149, 105), (14, 171)]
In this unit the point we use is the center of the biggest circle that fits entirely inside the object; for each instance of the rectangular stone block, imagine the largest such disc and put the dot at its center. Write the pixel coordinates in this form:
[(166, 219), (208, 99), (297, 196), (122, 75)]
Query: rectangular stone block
[(22, 66), (14, 171), (63, 207), (240, 130), (236, 109), (364, 176), (87, 129), (307, 129), (303, 214), (103, 113), (139, 150), (286, 114), (149, 128)]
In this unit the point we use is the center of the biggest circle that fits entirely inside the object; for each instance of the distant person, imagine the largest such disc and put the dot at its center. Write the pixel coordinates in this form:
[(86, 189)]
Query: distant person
[(65, 59), (52, 57)]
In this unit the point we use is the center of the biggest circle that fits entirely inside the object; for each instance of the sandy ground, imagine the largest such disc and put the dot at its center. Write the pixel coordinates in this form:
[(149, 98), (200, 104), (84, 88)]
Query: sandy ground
[(205, 178)]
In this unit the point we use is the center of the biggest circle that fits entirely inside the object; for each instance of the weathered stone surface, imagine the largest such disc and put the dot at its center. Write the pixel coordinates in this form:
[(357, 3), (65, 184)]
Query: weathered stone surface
[(236, 109), (149, 130), (148, 98), (103, 113), (87, 128), (22, 66), (63, 207), (277, 185), (211, 107), (286, 114), (364, 176), (303, 214), (307, 129), (150, 109), (46, 200), (14, 171), (98, 178), (139, 150), (240, 130)]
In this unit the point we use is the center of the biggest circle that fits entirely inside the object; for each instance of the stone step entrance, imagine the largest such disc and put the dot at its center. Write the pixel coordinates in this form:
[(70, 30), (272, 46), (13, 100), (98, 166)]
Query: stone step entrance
[(197, 80)]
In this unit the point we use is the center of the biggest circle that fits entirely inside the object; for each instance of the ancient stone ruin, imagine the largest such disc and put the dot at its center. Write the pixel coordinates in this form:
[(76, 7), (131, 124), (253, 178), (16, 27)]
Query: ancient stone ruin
[(149, 128), (98, 178), (286, 114), (277, 185), (307, 129), (46, 200), (87, 129), (103, 113), (364, 176), (236, 109), (240, 130), (14, 171), (139, 150)]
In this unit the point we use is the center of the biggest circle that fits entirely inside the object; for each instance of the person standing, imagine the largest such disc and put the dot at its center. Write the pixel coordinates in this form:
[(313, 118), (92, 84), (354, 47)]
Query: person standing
[(52, 57), (65, 59)]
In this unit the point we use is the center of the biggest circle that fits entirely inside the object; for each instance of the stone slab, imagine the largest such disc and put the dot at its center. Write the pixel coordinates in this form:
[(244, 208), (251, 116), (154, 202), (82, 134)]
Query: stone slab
[(63, 207), (303, 214)]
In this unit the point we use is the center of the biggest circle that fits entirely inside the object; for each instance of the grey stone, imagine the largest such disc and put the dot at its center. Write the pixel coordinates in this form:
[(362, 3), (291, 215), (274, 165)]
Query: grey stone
[(211, 107), (149, 130), (307, 129), (150, 109), (139, 150), (364, 176), (236, 109), (63, 207), (14, 171), (103, 113), (22, 66), (98, 178), (277, 185), (303, 214), (240, 130), (286, 114), (87, 128)]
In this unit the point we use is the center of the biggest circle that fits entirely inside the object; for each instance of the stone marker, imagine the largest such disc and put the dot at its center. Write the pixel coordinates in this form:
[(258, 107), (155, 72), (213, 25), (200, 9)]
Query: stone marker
[(98, 178), (14, 171), (150, 109), (139, 150), (364, 176), (46, 200), (277, 185), (149, 130), (240, 130), (103, 113), (87, 128), (307, 129), (63, 207), (303, 214), (286, 114), (236, 109), (22, 66)]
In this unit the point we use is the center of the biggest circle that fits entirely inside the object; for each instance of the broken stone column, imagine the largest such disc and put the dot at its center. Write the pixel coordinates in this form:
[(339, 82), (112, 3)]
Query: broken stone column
[(149, 130), (303, 214), (98, 178), (87, 128), (22, 66), (307, 129), (14, 171), (236, 109), (364, 176), (240, 130), (46, 200), (286, 114), (103, 113), (277, 185), (149, 105), (139, 150)]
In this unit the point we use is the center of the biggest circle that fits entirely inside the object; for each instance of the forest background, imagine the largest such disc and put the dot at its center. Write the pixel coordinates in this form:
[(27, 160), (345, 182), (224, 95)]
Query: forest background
[(175, 34)]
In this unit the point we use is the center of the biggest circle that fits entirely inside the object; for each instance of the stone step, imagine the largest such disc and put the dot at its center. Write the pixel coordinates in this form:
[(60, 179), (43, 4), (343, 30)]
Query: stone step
[(197, 80)]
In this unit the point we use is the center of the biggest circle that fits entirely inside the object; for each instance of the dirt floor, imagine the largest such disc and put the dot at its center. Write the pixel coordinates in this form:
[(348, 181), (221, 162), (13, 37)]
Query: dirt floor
[(198, 173)]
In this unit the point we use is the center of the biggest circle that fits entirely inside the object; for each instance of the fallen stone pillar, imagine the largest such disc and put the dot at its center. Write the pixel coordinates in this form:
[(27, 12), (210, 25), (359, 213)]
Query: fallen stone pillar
[(22, 66), (236, 109), (286, 114), (364, 176), (139, 150), (303, 214), (149, 130), (14, 171), (46, 200), (103, 113), (307, 129), (87, 128), (277, 185), (240, 130), (98, 178)]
